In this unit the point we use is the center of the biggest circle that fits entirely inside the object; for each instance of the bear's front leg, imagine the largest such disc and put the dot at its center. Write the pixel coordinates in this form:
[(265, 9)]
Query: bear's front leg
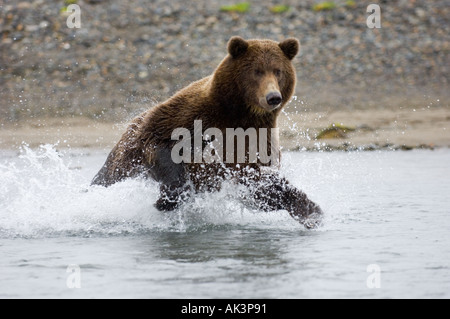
[(172, 196), (174, 188), (272, 192)]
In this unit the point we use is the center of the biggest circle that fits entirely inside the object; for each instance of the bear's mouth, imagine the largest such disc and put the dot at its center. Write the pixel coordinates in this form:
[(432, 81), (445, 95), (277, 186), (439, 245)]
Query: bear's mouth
[(266, 106)]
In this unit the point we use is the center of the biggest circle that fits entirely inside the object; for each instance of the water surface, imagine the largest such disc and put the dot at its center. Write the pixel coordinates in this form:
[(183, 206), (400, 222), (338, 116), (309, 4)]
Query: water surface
[(388, 209)]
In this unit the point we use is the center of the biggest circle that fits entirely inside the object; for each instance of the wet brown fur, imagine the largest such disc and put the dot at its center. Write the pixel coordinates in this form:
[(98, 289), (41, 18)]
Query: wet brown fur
[(226, 99)]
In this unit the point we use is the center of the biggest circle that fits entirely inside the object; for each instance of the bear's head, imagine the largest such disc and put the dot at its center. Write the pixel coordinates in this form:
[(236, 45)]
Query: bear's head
[(258, 73)]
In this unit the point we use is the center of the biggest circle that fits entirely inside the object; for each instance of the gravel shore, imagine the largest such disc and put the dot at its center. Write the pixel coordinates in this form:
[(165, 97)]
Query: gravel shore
[(129, 55), (366, 130)]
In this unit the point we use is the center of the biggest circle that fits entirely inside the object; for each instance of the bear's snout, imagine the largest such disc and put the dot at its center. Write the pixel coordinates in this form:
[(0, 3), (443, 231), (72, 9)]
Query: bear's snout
[(269, 96), (274, 98)]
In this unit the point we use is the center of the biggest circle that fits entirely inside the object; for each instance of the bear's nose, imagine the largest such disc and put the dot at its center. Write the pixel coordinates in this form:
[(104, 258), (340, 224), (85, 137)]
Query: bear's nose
[(273, 98)]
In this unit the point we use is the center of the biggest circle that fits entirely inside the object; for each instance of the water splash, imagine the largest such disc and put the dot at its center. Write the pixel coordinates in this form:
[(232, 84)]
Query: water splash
[(41, 195)]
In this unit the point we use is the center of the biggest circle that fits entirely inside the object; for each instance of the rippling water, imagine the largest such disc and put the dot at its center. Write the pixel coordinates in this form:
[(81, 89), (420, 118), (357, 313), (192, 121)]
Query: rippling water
[(386, 232)]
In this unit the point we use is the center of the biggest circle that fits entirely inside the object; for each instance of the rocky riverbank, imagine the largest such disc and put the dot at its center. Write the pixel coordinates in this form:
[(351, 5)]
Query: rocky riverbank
[(365, 130), (129, 55)]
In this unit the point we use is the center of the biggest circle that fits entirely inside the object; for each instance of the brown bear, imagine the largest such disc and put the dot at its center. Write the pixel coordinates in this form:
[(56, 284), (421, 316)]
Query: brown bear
[(246, 91)]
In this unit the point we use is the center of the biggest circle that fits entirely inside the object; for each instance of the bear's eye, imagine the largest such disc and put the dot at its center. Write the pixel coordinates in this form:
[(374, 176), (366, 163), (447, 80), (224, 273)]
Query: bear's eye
[(259, 72), (277, 73)]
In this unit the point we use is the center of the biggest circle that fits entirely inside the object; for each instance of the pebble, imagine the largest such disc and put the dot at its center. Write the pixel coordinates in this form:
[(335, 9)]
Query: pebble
[(179, 42)]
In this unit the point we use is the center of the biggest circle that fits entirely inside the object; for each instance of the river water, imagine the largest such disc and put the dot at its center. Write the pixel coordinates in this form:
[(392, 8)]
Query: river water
[(386, 232)]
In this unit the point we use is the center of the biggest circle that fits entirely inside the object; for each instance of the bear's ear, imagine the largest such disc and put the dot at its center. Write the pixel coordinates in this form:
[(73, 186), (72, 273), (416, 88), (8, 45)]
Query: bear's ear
[(290, 47), (237, 46)]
